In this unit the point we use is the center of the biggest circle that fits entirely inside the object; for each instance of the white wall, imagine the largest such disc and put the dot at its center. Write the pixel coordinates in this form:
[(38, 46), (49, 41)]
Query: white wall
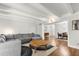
[(61, 27), (73, 39), (17, 25)]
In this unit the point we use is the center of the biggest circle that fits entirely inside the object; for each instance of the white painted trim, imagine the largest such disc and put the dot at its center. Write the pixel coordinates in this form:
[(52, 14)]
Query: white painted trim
[(42, 31), (73, 46), (62, 40)]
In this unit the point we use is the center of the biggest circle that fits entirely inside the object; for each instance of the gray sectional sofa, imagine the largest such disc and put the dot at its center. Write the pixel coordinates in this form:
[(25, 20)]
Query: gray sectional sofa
[(12, 44), (25, 38), (10, 48)]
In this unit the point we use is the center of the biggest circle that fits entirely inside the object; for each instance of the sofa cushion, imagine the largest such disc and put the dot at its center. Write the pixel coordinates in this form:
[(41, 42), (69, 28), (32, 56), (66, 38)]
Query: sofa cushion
[(17, 36), (10, 48), (2, 38), (10, 36), (36, 36), (23, 36), (25, 41)]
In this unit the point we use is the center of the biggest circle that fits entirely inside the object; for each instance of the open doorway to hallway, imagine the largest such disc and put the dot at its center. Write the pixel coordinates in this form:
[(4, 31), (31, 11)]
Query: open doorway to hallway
[(57, 30)]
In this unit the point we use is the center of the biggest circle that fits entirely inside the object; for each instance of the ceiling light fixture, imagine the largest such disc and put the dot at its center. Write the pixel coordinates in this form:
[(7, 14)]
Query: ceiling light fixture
[(51, 20)]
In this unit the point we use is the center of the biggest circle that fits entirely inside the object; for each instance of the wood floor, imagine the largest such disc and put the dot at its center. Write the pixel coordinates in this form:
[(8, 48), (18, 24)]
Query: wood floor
[(63, 49)]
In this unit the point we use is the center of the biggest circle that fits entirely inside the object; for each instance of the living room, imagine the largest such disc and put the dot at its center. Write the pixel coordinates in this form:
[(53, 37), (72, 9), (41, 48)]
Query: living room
[(29, 30)]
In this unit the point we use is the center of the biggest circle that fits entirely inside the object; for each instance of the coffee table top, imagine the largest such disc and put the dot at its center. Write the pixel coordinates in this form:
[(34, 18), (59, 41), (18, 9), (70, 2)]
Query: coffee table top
[(37, 43)]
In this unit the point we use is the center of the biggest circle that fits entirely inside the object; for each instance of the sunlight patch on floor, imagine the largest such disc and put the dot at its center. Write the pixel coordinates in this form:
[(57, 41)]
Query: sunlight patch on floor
[(64, 51)]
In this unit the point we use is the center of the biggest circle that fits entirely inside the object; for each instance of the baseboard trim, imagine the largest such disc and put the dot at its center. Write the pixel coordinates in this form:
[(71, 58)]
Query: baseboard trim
[(73, 46)]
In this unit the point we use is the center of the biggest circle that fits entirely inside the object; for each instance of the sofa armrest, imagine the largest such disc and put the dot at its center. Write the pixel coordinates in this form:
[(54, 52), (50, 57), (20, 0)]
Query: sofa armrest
[(10, 48)]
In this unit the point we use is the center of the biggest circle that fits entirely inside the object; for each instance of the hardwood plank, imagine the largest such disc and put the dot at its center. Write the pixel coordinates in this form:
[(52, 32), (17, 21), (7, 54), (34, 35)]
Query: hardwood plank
[(63, 49)]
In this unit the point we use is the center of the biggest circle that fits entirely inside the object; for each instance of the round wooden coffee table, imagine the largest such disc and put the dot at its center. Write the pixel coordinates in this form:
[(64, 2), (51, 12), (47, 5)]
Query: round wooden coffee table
[(37, 43)]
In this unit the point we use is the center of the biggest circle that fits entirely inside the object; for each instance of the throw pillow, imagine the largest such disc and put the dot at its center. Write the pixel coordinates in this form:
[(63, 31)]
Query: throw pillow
[(2, 38)]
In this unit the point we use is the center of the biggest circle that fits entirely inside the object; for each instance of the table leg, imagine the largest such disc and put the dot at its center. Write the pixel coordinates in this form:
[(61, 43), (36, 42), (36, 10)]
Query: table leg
[(35, 50)]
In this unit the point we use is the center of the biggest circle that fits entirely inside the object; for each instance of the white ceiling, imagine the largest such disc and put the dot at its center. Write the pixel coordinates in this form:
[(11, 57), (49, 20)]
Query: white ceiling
[(39, 11), (57, 8)]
